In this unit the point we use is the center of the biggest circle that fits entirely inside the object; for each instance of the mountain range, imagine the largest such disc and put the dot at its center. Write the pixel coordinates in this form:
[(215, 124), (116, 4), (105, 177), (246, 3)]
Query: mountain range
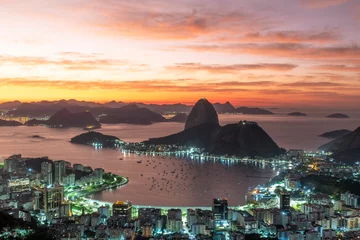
[(48, 108)]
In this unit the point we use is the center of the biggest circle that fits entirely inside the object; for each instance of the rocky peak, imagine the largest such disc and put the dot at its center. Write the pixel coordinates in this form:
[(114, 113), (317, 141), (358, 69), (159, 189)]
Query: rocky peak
[(203, 112)]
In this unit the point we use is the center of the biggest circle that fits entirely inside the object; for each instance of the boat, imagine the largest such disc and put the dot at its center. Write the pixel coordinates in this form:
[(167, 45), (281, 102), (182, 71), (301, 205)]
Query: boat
[(139, 161), (121, 159)]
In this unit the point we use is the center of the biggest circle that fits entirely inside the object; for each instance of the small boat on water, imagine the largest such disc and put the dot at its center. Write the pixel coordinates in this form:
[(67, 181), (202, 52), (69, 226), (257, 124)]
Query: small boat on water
[(121, 159), (139, 161)]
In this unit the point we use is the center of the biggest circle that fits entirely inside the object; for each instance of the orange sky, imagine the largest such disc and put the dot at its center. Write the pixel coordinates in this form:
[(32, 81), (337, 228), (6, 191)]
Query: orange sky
[(297, 53)]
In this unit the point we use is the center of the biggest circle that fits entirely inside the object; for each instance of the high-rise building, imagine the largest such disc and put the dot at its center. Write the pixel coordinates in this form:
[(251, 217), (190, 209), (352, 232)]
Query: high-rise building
[(59, 167), (15, 164), (50, 199), (220, 209), (99, 174), (46, 173), (284, 201), (149, 215), (69, 180), (174, 221), (124, 209)]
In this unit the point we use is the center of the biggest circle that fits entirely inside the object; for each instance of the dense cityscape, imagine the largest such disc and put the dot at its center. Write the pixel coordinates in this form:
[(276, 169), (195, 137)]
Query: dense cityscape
[(300, 202), (179, 120)]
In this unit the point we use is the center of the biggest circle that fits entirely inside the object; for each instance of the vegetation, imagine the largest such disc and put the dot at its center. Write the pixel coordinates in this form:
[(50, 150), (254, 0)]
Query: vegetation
[(330, 185)]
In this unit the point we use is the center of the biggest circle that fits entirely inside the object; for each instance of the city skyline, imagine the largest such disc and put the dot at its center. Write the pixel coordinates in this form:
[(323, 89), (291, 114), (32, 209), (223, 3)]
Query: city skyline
[(280, 54)]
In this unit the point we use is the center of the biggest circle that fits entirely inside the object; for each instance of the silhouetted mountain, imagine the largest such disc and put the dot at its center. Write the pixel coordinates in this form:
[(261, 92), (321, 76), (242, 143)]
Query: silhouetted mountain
[(346, 149), (131, 114), (45, 108), (180, 117), (166, 108), (224, 108), (198, 136), (91, 138), (242, 139), (4, 123), (336, 134), (297, 114), (203, 131), (64, 118), (114, 104), (203, 112), (337, 115), (247, 110), (10, 105)]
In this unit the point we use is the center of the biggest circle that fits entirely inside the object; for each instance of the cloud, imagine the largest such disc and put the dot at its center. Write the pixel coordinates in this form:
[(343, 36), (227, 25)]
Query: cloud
[(221, 69), (313, 84), (284, 50), (69, 61), (322, 3), (169, 20), (321, 37), (338, 68)]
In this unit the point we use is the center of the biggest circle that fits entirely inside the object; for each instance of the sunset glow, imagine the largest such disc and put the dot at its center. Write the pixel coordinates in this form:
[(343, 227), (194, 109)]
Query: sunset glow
[(277, 53)]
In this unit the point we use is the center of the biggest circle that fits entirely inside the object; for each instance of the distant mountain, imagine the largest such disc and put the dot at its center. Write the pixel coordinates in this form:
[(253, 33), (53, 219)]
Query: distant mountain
[(10, 105), (338, 115), (202, 130), (45, 108), (64, 119), (336, 134), (114, 104), (224, 108), (346, 149), (131, 114), (297, 114), (4, 123), (180, 117), (247, 110), (92, 138), (203, 112), (166, 108)]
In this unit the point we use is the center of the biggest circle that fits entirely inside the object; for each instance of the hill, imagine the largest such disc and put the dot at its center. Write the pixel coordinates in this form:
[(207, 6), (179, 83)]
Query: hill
[(64, 119), (96, 138), (242, 139), (336, 134), (131, 114), (346, 149), (4, 123)]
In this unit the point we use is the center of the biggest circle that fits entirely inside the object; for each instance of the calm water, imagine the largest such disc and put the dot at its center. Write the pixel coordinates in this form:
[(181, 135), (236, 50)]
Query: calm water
[(172, 182)]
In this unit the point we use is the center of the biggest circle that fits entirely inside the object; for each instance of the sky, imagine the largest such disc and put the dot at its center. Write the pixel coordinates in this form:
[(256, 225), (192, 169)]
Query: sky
[(278, 53)]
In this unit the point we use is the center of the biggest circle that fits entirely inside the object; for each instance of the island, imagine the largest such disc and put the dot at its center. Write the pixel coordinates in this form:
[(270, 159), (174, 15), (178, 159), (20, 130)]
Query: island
[(336, 134), (338, 115), (297, 114), (97, 139), (5, 123), (255, 111)]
